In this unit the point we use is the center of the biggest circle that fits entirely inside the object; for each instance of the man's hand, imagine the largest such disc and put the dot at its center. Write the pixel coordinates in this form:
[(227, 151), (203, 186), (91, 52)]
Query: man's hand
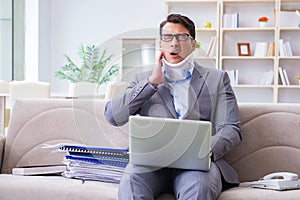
[(157, 76)]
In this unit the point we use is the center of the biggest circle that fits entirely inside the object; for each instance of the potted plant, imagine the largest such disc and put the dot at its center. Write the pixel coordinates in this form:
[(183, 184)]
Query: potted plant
[(198, 49), (263, 21), (93, 71)]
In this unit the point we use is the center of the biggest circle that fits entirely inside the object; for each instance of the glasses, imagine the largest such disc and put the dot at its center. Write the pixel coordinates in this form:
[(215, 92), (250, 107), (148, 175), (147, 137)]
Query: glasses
[(179, 37)]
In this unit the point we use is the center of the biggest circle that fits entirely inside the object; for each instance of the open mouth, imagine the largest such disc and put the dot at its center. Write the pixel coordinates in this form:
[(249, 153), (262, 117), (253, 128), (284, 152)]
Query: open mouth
[(175, 53)]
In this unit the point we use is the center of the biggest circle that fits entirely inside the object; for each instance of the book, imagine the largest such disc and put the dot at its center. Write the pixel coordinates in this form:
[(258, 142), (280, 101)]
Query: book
[(270, 77), (285, 48), (281, 75), (260, 49), (282, 51), (231, 20), (271, 49), (38, 170), (267, 78), (288, 48), (104, 161), (87, 149), (100, 153), (211, 47), (286, 77), (233, 76), (83, 149)]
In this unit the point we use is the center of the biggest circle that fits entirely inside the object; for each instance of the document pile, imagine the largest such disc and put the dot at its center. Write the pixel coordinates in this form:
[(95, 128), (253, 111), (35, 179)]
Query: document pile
[(94, 163)]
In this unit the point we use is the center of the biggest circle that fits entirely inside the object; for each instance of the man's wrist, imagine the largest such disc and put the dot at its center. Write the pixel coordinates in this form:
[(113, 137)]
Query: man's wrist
[(154, 85)]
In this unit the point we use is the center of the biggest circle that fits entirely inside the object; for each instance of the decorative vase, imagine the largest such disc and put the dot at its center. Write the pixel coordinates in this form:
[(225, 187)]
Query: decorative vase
[(83, 89), (262, 24), (299, 81)]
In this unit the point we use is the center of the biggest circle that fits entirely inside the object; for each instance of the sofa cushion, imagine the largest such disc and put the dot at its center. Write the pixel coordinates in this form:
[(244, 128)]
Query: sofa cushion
[(247, 193), (54, 187)]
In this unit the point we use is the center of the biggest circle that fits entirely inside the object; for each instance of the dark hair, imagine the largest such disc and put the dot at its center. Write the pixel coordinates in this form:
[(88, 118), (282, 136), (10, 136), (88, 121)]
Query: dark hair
[(180, 19)]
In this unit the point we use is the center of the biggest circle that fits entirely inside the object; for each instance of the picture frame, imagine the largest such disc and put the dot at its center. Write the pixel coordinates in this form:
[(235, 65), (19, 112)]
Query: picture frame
[(244, 49)]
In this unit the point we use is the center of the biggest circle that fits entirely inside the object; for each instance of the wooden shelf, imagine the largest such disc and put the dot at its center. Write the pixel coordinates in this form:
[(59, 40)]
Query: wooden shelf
[(250, 69)]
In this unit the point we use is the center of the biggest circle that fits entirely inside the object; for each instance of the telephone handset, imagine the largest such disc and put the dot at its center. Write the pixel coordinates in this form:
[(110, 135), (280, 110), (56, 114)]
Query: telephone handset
[(281, 176)]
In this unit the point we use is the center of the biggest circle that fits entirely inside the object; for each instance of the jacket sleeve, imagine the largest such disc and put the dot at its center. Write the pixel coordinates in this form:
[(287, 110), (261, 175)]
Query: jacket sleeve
[(226, 120), (118, 110)]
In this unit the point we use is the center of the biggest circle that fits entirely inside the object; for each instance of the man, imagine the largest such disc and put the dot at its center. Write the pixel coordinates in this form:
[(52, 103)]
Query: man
[(180, 88)]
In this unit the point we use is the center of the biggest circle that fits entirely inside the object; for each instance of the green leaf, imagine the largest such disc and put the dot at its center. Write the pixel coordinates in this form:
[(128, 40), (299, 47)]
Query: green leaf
[(94, 66)]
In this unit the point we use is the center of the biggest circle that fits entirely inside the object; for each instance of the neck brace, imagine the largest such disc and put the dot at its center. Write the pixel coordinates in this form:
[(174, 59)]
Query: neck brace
[(178, 71)]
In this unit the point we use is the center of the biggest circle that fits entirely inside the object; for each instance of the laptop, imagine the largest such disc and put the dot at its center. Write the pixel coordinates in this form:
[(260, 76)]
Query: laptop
[(173, 143)]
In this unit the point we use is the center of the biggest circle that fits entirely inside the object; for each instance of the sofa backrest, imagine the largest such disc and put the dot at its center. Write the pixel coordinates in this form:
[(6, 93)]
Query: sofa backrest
[(271, 140), (35, 122)]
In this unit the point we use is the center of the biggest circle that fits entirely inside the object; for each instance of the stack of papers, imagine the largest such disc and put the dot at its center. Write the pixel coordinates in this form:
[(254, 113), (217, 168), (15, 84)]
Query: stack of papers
[(94, 163), (93, 171)]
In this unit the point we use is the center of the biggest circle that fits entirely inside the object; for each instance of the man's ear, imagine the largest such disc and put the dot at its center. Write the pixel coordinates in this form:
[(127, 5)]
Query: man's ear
[(194, 42)]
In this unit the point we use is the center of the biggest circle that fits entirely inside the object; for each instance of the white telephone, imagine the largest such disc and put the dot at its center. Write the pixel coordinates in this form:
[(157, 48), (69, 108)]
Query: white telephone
[(281, 175), (278, 181)]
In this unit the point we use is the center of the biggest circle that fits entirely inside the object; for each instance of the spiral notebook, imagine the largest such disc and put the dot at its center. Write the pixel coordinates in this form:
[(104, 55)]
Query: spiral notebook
[(106, 156)]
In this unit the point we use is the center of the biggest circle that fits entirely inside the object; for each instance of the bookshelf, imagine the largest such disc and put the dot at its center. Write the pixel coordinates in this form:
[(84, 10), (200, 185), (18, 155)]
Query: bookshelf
[(251, 69), (283, 25), (289, 31)]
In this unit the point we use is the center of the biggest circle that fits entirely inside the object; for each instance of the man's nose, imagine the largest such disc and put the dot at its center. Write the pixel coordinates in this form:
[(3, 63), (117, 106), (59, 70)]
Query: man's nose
[(174, 42)]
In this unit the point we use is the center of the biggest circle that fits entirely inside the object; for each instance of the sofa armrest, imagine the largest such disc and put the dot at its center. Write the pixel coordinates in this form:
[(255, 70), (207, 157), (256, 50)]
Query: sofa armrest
[(2, 143)]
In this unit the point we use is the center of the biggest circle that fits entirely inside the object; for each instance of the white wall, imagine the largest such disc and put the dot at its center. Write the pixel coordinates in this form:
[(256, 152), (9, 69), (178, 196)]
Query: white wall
[(65, 24), (31, 40)]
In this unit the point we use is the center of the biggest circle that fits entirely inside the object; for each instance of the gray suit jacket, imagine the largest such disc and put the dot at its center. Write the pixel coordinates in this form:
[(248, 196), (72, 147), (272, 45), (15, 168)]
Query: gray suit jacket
[(211, 98)]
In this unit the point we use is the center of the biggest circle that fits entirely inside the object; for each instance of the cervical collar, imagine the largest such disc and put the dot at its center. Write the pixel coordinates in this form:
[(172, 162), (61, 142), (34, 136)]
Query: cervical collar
[(178, 71)]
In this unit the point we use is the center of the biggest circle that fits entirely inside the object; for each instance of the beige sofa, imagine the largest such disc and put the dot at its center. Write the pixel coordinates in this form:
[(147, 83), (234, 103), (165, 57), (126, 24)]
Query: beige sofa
[(271, 143)]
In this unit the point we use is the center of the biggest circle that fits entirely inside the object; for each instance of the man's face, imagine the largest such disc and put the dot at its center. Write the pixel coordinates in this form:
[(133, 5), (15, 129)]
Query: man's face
[(176, 49)]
